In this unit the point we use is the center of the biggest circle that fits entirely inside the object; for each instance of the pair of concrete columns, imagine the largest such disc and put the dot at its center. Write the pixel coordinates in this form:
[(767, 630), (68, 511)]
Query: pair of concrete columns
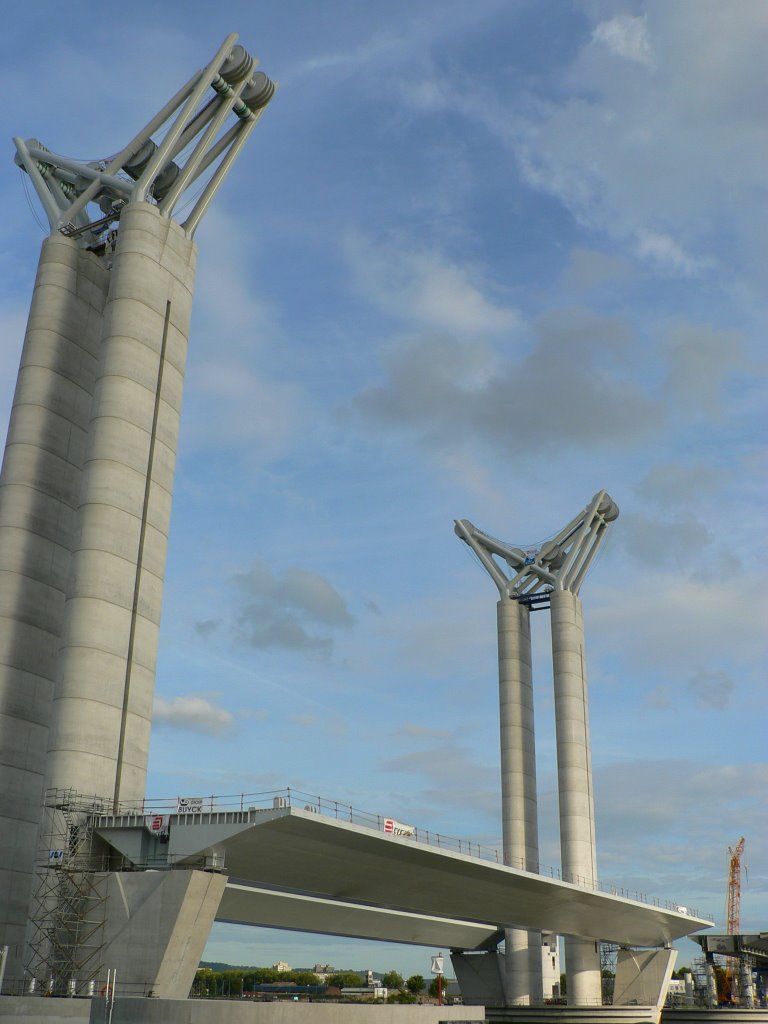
[(523, 967), (85, 502)]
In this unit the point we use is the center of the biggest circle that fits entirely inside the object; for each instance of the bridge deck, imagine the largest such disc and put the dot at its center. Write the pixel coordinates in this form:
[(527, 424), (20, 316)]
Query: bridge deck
[(294, 869)]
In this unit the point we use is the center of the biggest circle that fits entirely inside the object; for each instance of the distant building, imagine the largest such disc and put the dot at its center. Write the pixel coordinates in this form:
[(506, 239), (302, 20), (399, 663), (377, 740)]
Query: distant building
[(550, 965), (324, 971), (363, 991), (281, 967)]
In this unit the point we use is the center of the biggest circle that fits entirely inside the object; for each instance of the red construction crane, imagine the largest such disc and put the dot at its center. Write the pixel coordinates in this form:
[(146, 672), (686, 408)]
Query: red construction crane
[(733, 913), (733, 899)]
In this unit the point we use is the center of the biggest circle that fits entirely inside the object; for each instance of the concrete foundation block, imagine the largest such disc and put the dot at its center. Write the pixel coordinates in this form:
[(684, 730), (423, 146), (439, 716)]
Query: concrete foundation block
[(157, 927), (642, 976)]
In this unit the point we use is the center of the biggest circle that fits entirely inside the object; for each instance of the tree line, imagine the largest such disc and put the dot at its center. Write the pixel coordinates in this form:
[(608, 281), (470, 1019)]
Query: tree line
[(242, 981)]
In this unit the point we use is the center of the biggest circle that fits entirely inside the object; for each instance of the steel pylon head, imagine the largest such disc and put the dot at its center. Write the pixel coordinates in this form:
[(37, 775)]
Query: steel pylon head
[(186, 139), (560, 563)]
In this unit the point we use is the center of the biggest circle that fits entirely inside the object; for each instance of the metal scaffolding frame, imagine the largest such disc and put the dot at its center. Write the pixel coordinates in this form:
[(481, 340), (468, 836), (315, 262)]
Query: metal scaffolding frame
[(68, 909)]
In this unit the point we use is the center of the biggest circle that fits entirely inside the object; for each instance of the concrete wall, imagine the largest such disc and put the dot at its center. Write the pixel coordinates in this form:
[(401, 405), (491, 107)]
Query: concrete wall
[(721, 1015), (574, 1015), (204, 1011), (34, 1010), (39, 493)]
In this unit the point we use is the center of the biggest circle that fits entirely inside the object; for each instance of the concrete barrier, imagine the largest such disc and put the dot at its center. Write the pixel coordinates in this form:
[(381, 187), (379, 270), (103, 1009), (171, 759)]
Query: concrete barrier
[(35, 1010), (225, 1011)]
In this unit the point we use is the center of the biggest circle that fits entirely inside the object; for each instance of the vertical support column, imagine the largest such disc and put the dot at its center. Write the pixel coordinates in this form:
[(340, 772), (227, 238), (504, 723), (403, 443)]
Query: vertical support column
[(39, 488), (523, 978), (574, 776), (105, 673)]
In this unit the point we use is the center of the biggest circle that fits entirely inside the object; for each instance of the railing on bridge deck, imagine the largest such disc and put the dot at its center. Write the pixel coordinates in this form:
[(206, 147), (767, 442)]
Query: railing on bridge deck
[(242, 806)]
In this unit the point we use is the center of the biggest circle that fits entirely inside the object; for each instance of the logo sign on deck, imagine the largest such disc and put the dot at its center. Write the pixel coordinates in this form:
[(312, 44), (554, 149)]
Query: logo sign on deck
[(189, 804), (158, 824), (55, 857), (397, 828)]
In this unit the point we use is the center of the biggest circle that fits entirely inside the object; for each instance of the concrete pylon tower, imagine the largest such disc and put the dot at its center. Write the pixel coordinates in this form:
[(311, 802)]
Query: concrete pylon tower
[(552, 574), (522, 959), (87, 476), (567, 557)]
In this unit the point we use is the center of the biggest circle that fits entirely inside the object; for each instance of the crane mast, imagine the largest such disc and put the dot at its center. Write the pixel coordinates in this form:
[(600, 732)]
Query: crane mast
[(733, 900), (733, 909)]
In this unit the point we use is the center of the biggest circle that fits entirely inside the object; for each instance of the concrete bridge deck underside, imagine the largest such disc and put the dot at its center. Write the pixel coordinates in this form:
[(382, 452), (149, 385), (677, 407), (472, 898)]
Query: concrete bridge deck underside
[(293, 869)]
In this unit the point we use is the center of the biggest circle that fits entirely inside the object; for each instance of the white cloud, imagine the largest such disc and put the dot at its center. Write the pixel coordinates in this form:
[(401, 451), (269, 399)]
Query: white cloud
[(195, 714), (626, 36), (236, 406), (716, 619), (230, 399), (659, 840), (667, 159), (450, 775), (667, 255), (382, 46), (415, 731), (426, 288)]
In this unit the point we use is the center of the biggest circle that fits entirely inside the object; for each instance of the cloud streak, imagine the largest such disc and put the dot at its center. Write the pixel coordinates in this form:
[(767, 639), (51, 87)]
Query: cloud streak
[(193, 714)]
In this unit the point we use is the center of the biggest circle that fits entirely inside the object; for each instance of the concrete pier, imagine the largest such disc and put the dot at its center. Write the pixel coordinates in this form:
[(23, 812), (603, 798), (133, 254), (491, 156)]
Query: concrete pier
[(86, 486), (39, 494), (523, 977), (574, 775), (105, 670)]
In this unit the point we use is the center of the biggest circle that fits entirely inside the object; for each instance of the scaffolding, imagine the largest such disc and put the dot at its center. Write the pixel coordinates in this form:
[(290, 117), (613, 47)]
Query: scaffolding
[(609, 957), (68, 910)]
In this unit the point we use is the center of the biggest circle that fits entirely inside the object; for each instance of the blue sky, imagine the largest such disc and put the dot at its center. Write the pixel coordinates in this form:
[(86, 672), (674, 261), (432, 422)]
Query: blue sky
[(477, 261)]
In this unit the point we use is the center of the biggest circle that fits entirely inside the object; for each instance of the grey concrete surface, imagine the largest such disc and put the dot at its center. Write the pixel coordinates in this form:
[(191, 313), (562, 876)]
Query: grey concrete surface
[(297, 851), (642, 976), (573, 1015), (481, 977), (246, 904), (34, 1010), (574, 779), (39, 493), (519, 816), (99, 740), (200, 1011), (157, 924), (719, 1015)]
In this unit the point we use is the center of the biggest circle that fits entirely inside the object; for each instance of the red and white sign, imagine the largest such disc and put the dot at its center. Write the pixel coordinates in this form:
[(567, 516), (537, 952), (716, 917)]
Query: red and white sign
[(397, 828), (158, 824)]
